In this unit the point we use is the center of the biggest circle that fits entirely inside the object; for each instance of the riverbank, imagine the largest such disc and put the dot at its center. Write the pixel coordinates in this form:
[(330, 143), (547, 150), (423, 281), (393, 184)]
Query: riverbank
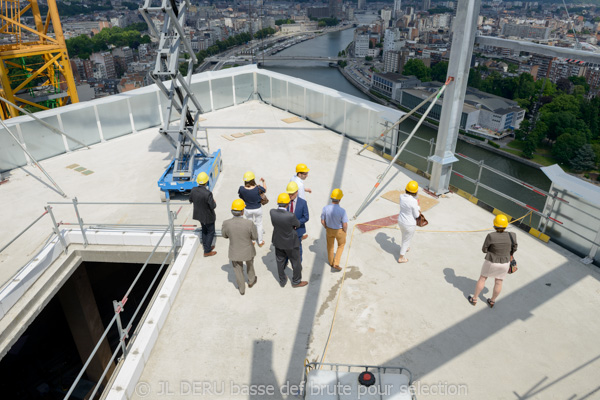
[(415, 117)]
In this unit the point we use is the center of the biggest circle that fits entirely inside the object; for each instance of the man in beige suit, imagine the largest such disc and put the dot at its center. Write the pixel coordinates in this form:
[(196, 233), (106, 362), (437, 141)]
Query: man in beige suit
[(241, 232)]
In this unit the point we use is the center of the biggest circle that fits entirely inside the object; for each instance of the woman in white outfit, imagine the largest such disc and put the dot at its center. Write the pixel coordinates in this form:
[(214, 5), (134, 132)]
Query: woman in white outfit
[(250, 193), (407, 219)]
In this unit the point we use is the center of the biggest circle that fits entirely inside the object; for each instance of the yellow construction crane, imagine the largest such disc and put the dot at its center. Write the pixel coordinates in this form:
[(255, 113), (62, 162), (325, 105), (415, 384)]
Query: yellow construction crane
[(35, 72)]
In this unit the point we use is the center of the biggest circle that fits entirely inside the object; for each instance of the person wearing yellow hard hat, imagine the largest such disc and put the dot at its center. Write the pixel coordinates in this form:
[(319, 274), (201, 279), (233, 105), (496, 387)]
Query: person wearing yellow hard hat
[(407, 218), (286, 242), (299, 208), (499, 247), (301, 174), (254, 196), (241, 232), (204, 212), (335, 220)]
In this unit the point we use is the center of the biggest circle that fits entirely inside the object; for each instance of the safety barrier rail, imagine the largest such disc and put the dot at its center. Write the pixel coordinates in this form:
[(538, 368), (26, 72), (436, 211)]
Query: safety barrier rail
[(116, 319), (550, 197)]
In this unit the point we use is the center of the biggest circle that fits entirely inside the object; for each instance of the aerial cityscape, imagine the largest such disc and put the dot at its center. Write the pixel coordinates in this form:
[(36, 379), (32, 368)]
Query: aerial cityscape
[(397, 54)]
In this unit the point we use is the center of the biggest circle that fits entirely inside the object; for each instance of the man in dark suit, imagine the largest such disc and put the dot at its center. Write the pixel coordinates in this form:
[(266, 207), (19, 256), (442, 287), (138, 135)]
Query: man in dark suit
[(286, 242), (204, 212), (299, 208), (241, 232)]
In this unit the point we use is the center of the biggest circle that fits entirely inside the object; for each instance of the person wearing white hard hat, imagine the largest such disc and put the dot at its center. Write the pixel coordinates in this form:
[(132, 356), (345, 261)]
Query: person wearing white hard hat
[(251, 194), (204, 212)]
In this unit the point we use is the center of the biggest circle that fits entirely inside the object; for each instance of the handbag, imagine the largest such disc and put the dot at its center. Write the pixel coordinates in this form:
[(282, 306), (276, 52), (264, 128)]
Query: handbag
[(513, 263), (263, 197), (421, 220)]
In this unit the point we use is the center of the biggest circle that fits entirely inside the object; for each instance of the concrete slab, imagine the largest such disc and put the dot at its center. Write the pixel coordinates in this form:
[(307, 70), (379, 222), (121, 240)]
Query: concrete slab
[(537, 343)]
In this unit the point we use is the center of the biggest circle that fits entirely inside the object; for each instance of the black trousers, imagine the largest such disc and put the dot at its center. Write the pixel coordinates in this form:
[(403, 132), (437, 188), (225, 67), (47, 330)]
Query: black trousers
[(282, 255), (208, 236)]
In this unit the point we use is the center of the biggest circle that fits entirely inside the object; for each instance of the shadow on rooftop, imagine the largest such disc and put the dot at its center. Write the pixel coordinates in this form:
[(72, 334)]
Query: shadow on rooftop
[(388, 244), (464, 284), (442, 348)]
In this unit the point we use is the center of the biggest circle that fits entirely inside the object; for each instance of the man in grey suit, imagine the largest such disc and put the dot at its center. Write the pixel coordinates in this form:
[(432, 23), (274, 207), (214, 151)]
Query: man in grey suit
[(241, 232), (286, 242)]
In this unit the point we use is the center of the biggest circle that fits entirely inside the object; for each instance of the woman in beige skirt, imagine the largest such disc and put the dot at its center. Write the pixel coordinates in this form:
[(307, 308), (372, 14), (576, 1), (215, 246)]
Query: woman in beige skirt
[(499, 249)]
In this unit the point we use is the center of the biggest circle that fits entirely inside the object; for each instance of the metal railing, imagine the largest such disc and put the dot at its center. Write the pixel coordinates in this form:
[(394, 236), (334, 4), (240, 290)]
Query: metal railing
[(123, 330), (116, 319), (389, 144)]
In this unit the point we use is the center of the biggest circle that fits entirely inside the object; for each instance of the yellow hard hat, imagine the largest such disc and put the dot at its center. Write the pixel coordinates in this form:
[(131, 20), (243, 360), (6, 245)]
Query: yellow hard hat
[(283, 198), (301, 168), (202, 178), (412, 187), (501, 221), (248, 176), (238, 205), (337, 194), (292, 187)]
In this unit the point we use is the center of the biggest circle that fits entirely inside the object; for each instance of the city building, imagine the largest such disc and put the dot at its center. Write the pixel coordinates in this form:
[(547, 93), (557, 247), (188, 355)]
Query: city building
[(564, 68), (397, 8), (525, 31), (361, 4), (483, 113), (391, 84), (426, 4), (544, 64), (394, 61), (318, 12), (108, 64), (335, 9), (361, 43)]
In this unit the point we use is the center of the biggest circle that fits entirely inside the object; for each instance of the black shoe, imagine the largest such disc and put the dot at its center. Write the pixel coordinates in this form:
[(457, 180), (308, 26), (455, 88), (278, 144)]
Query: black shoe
[(253, 283), (282, 284)]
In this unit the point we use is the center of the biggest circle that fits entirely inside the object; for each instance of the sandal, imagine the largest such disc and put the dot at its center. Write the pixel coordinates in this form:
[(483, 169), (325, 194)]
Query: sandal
[(491, 303), (472, 300)]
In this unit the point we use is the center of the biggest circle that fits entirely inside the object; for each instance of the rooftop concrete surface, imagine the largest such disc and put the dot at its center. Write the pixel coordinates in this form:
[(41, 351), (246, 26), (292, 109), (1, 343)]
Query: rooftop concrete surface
[(538, 342)]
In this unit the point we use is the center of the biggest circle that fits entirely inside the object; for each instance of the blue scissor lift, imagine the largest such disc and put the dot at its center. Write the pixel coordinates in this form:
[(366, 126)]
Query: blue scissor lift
[(192, 155)]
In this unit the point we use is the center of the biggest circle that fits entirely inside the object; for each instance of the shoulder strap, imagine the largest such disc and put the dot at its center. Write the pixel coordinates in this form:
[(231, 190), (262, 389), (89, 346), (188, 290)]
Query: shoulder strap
[(512, 242)]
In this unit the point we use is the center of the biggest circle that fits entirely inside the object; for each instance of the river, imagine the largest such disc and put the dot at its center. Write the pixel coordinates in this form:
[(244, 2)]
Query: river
[(330, 44)]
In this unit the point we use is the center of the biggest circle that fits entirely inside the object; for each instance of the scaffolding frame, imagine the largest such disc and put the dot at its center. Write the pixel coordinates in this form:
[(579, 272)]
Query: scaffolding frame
[(54, 77)]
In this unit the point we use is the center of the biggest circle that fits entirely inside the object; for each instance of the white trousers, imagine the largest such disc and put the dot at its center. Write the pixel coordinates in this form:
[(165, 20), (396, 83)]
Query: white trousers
[(408, 232), (256, 217)]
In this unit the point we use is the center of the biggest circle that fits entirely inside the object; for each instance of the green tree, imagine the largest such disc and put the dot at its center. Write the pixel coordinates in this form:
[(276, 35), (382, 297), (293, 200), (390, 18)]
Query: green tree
[(564, 122), (584, 159), (439, 71), (474, 80), (549, 87), (368, 58), (561, 103), (417, 68), (566, 146), (529, 148), (525, 86), (523, 130)]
